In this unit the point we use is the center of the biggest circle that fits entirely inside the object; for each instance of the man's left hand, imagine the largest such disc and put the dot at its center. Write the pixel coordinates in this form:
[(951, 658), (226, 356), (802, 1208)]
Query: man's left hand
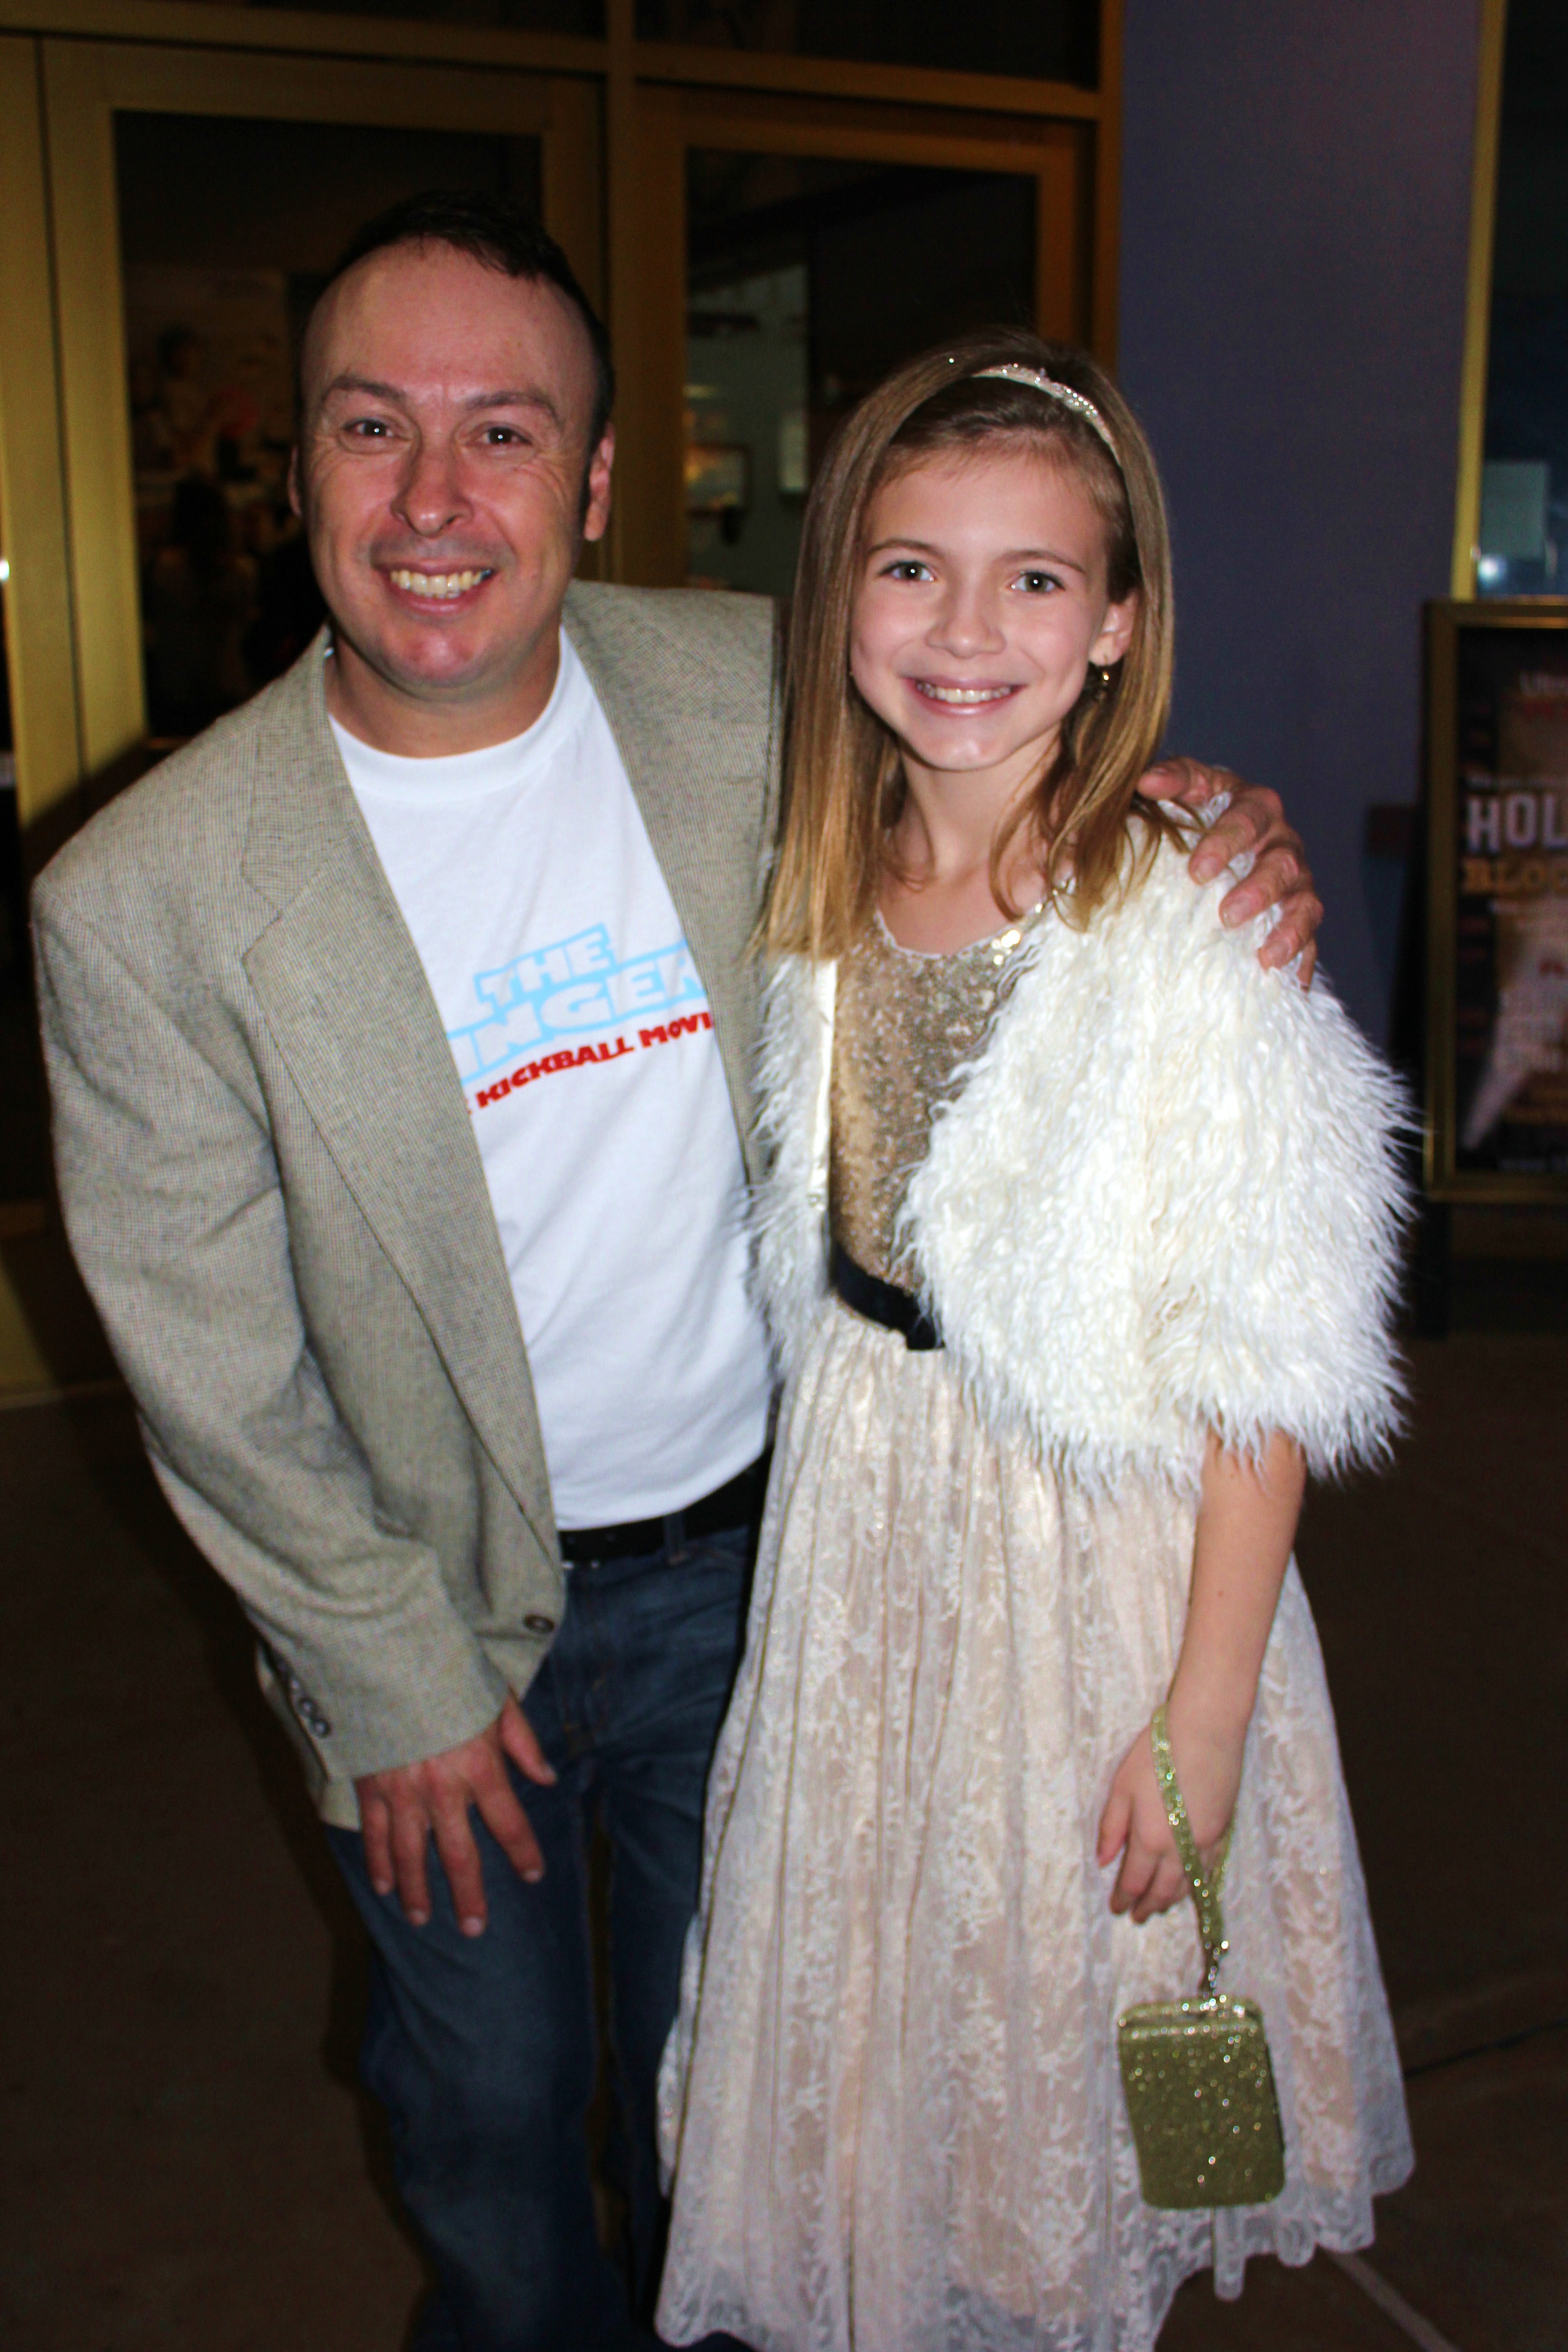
[(1254, 825)]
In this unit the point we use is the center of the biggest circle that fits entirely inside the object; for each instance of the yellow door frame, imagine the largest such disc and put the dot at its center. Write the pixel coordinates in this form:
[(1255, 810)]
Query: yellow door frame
[(1479, 299)]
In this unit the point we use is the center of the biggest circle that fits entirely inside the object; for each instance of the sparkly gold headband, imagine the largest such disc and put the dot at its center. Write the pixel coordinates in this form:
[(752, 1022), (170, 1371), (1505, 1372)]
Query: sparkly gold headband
[(1076, 401)]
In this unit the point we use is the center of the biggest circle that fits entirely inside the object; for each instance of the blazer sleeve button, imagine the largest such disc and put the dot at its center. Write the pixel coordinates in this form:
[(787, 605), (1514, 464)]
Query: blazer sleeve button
[(534, 1622)]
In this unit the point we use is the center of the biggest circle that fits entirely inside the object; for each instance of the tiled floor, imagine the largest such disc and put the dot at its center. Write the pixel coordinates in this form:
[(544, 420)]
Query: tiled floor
[(185, 2164)]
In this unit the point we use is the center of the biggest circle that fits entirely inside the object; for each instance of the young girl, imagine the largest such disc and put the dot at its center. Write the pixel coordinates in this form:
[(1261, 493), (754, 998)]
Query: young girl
[(1079, 1245)]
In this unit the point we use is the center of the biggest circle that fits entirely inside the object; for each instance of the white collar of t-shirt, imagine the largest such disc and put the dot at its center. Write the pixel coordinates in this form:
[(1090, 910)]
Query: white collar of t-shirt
[(469, 775)]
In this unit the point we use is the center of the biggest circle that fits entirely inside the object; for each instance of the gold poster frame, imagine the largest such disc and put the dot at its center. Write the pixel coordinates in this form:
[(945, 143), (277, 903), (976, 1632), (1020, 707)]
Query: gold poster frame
[(1444, 1181)]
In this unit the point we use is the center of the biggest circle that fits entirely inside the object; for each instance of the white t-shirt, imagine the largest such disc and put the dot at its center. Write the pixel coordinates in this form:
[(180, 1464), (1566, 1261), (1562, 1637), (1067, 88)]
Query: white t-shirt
[(582, 1037)]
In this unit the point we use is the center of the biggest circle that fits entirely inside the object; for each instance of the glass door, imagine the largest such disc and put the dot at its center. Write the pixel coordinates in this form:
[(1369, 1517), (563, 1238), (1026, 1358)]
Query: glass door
[(808, 279), (226, 231), (796, 250), (199, 202)]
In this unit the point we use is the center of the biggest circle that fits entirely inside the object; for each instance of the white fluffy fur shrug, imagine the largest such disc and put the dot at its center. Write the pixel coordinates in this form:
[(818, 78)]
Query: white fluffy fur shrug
[(1165, 1201)]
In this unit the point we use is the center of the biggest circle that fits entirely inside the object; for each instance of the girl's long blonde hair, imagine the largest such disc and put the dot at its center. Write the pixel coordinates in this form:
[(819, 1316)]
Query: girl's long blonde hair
[(842, 775)]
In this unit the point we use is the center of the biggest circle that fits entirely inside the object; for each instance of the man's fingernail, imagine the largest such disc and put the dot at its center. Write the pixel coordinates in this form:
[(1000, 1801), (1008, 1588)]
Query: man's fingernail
[(381, 1886), (473, 1926), (420, 1918), (532, 1876)]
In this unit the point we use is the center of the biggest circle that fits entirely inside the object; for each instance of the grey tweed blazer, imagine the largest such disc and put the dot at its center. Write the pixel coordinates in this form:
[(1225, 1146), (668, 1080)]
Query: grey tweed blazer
[(272, 1187)]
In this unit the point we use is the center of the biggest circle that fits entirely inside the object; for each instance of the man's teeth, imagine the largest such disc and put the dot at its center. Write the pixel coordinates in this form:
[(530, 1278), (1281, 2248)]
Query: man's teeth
[(963, 694), (437, 583)]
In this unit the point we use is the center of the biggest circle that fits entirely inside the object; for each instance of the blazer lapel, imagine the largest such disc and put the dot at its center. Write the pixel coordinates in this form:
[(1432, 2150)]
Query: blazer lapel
[(345, 996), (678, 779)]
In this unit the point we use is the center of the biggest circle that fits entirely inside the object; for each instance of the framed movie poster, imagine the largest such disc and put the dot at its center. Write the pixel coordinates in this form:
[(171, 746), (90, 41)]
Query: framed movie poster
[(1496, 997)]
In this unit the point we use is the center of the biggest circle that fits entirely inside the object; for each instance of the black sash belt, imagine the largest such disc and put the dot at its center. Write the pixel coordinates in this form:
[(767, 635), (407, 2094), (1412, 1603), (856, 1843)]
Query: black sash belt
[(881, 1302)]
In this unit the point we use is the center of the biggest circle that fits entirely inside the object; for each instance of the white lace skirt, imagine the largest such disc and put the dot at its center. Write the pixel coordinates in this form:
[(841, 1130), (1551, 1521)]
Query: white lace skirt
[(892, 2098)]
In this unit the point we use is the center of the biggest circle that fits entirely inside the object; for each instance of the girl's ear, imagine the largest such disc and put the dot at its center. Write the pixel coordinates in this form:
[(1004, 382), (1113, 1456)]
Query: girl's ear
[(1115, 632)]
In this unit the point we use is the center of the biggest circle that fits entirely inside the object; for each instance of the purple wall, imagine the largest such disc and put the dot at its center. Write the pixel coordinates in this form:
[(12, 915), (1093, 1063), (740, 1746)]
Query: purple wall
[(1295, 226)]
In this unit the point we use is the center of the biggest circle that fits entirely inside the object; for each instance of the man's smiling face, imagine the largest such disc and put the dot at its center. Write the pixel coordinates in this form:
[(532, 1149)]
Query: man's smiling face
[(447, 409)]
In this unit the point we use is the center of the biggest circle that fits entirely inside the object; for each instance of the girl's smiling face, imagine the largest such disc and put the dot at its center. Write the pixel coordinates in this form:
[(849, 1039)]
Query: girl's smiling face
[(981, 603)]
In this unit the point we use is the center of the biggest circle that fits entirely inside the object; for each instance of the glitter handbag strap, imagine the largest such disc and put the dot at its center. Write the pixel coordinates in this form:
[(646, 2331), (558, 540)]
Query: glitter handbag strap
[(1204, 1883)]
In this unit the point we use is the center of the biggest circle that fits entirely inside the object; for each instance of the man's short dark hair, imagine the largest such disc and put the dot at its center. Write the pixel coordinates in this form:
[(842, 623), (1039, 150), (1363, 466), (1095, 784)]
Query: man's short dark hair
[(504, 236)]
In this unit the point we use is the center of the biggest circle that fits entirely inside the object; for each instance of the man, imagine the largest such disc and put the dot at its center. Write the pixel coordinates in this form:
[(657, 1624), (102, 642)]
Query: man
[(398, 1033)]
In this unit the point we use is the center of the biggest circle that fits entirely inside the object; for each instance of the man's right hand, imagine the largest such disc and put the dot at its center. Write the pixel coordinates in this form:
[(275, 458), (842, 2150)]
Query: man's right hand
[(402, 1809)]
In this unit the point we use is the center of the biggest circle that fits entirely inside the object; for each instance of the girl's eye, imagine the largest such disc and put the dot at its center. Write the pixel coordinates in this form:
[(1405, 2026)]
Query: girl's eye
[(1037, 583), (905, 567)]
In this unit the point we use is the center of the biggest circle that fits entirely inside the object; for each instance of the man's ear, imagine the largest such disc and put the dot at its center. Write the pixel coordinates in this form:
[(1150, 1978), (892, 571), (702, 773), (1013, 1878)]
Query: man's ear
[(597, 509), (296, 483)]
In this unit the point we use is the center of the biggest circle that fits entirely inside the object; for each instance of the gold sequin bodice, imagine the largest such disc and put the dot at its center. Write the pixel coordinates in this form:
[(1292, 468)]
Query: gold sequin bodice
[(904, 1026)]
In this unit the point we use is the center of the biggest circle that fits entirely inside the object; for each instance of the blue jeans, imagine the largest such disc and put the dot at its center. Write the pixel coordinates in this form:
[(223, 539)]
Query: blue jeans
[(483, 2050)]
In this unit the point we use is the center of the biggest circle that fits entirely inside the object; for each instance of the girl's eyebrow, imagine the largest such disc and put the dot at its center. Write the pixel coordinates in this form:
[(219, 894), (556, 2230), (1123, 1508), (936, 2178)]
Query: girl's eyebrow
[(1012, 555)]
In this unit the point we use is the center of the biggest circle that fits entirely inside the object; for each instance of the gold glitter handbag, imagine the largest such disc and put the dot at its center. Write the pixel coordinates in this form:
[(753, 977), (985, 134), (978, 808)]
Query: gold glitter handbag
[(1199, 2084)]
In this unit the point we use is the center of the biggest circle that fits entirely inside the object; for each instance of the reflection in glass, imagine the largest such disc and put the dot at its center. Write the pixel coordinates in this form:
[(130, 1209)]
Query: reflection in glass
[(1048, 40), (1523, 537), (227, 228), (806, 281)]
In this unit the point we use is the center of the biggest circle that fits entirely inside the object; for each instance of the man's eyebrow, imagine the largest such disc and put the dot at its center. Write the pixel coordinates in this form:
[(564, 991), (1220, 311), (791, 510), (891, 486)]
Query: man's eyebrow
[(363, 384), (531, 396), (1012, 555)]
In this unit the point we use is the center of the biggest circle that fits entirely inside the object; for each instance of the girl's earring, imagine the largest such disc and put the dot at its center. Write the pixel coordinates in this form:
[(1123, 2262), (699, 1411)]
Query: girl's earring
[(1104, 680)]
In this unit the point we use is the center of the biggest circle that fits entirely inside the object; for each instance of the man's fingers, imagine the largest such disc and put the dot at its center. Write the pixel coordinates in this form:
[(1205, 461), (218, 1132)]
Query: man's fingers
[(1187, 781), (511, 1830), (1295, 935), (375, 1826), (459, 1859), (1275, 875), (402, 1809), (410, 1839), (520, 1742), (1253, 817), (1247, 829)]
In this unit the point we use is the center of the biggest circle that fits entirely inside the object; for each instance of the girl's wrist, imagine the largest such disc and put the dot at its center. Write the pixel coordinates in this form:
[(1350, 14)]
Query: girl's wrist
[(1211, 1706)]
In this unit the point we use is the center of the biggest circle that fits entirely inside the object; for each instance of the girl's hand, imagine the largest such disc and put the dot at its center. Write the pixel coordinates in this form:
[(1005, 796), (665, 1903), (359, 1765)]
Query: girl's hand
[(1134, 1824)]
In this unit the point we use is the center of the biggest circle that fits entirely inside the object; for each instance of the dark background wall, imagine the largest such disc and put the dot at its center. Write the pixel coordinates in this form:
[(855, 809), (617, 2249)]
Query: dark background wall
[(1295, 231)]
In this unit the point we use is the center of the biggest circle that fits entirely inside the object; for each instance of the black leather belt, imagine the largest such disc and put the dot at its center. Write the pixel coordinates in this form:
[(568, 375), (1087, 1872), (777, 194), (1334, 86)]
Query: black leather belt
[(881, 1302), (736, 1503)]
